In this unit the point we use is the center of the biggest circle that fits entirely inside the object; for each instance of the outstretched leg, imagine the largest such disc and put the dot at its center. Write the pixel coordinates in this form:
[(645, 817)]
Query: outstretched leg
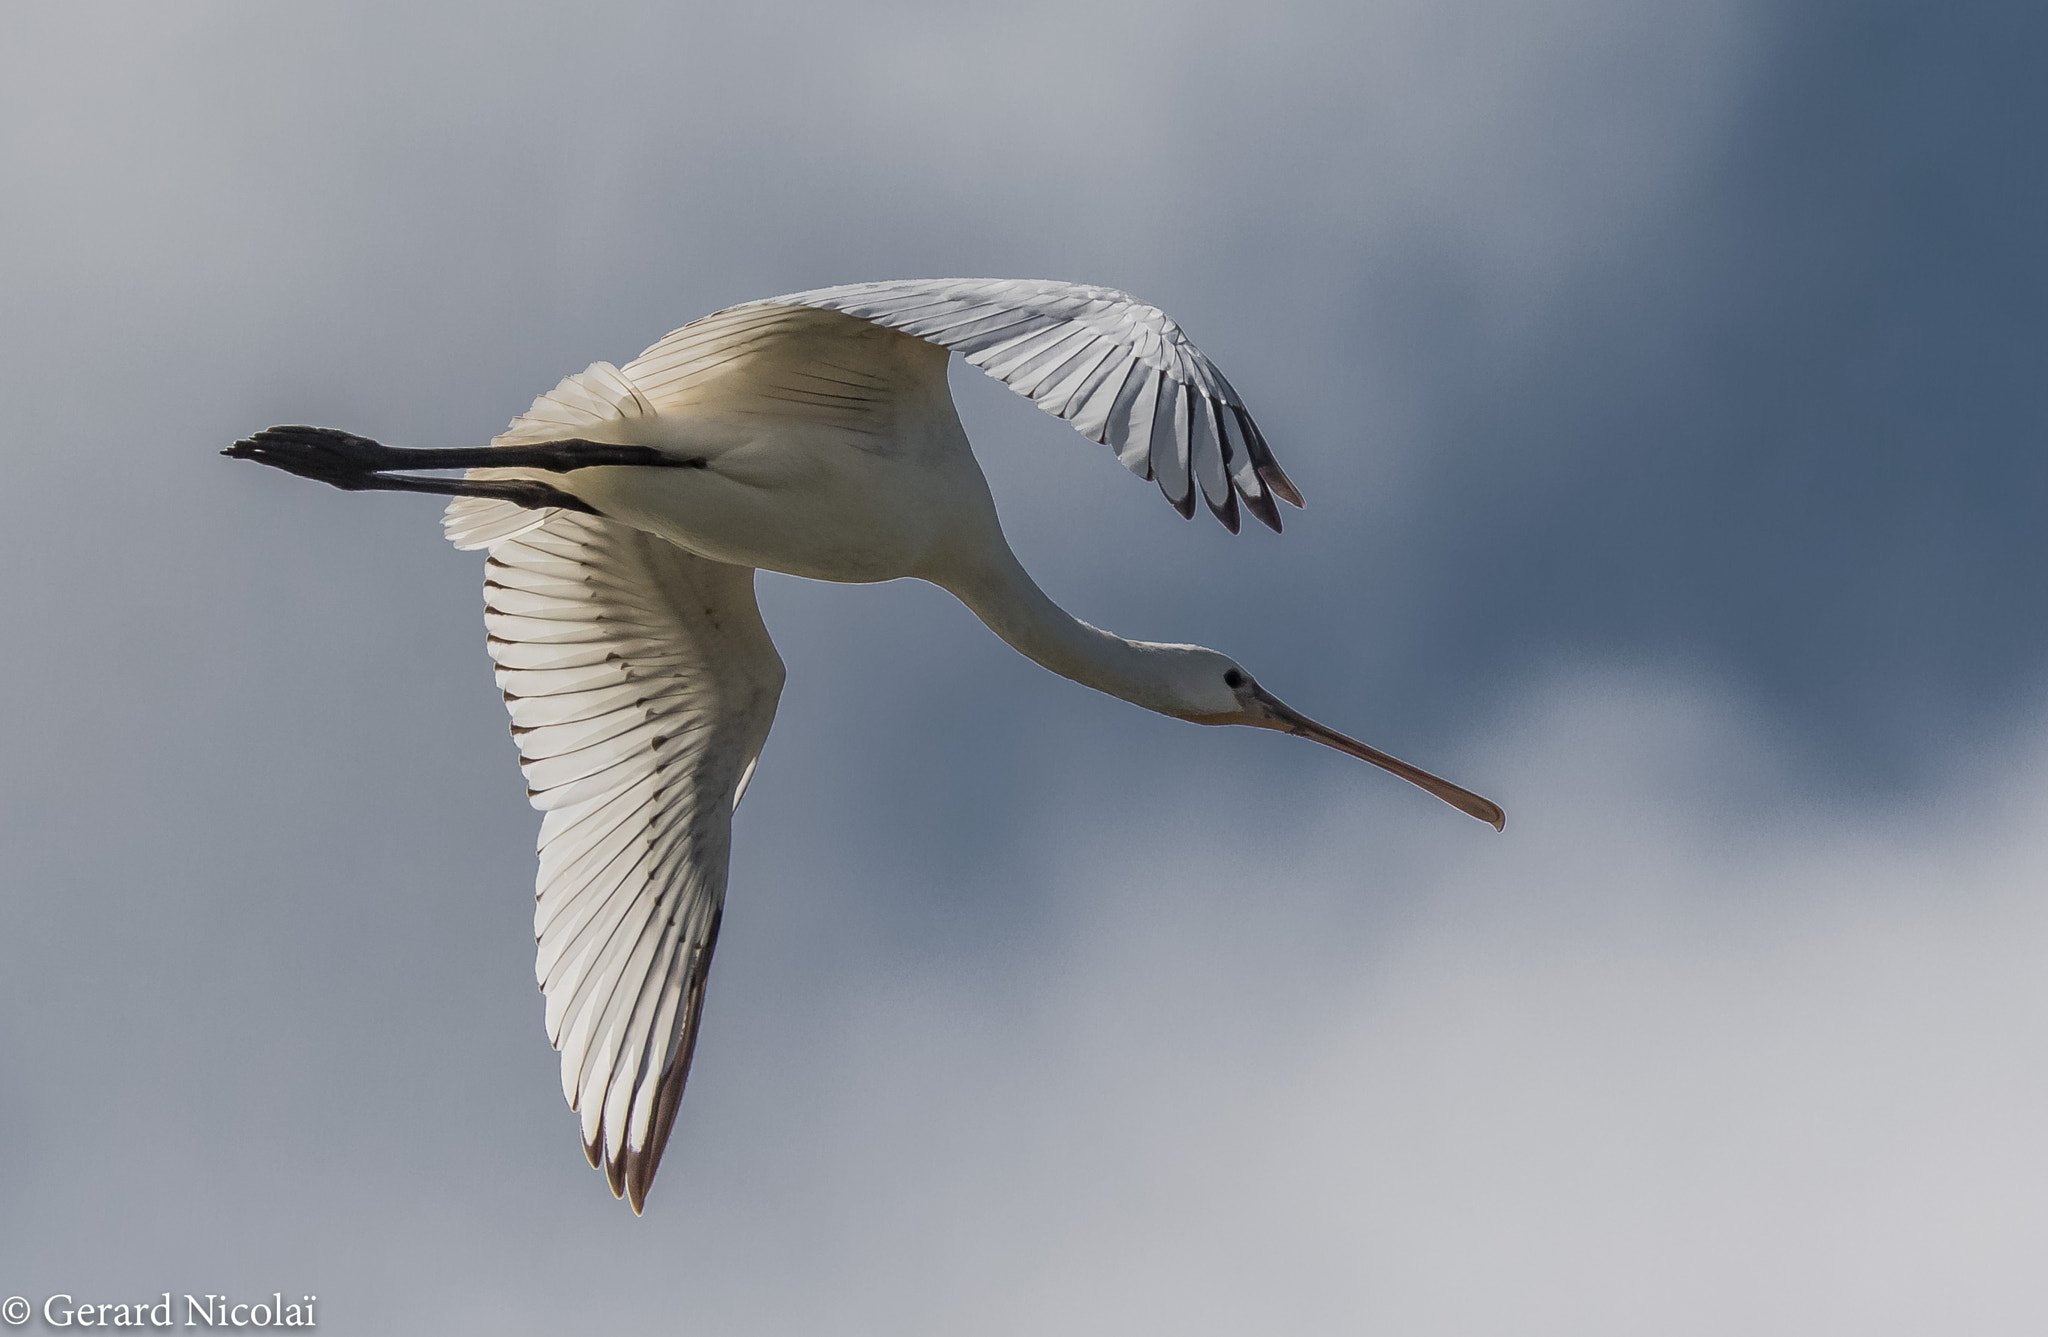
[(358, 464)]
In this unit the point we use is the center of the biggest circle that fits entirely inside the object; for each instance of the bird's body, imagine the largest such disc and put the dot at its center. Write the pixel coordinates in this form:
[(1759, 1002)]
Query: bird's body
[(812, 435), (838, 456)]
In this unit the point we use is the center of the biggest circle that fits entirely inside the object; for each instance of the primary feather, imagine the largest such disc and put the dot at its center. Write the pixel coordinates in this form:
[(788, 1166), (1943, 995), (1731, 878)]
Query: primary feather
[(1119, 370)]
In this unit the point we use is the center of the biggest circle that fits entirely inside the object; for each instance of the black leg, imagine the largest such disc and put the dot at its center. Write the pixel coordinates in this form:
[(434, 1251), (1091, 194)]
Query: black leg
[(358, 464), (330, 455), (531, 493)]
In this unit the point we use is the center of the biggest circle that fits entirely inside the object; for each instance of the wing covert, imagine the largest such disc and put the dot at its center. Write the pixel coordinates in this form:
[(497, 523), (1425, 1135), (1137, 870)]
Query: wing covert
[(641, 684), (1121, 371)]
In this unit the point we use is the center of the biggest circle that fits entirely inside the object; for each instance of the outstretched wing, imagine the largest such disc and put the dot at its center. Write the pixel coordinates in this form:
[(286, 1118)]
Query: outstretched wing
[(1121, 371), (641, 683)]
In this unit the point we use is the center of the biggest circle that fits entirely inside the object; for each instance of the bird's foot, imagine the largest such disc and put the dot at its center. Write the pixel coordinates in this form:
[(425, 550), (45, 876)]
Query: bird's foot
[(358, 464), (322, 453)]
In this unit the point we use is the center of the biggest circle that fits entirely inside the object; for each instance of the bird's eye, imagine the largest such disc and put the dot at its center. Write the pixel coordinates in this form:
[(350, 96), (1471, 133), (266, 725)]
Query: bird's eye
[(1233, 680)]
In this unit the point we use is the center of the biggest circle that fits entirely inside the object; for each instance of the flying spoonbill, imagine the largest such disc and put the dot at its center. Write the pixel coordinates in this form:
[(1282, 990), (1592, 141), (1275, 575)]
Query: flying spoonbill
[(814, 434)]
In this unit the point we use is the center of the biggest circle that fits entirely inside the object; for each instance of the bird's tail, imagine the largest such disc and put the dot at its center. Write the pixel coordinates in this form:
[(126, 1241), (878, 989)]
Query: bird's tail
[(579, 407)]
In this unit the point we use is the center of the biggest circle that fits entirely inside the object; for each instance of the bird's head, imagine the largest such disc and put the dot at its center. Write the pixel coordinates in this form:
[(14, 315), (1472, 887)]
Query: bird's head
[(1213, 688)]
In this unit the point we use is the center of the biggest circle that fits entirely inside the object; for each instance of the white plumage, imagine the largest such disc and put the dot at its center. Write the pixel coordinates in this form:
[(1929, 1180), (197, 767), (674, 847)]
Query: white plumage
[(812, 434), (1121, 371), (641, 685)]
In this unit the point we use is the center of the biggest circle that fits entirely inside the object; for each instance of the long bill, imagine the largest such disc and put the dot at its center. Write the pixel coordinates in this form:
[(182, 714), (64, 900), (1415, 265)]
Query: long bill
[(1281, 716)]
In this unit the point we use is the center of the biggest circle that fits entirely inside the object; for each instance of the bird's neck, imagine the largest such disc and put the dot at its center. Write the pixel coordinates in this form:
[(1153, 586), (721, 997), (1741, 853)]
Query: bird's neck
[(1003, 595)]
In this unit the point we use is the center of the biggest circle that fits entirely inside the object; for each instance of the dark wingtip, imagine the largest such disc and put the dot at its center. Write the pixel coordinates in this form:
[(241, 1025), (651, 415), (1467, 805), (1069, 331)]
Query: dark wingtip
[(635, 1184), (638, 1168), (1262, 506), (642, 1165), (615, 1173), (1270, 473), (1227, 512), (1281, 485)]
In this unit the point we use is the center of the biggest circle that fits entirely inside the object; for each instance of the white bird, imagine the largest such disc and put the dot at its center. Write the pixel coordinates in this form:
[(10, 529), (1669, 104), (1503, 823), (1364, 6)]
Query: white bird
[(813, 434)]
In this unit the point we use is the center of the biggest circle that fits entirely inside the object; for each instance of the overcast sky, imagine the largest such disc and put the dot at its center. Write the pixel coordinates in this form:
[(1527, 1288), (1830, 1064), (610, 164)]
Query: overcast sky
[(1666, 383)]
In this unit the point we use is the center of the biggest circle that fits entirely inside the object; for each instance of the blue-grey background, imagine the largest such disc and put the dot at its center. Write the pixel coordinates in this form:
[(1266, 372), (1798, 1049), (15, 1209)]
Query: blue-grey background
[(1667, 384)]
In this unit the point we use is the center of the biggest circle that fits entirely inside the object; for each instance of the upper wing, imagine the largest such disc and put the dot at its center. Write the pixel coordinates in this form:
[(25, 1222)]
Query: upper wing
[(780, 364), (641, 683), (1121, 371)]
